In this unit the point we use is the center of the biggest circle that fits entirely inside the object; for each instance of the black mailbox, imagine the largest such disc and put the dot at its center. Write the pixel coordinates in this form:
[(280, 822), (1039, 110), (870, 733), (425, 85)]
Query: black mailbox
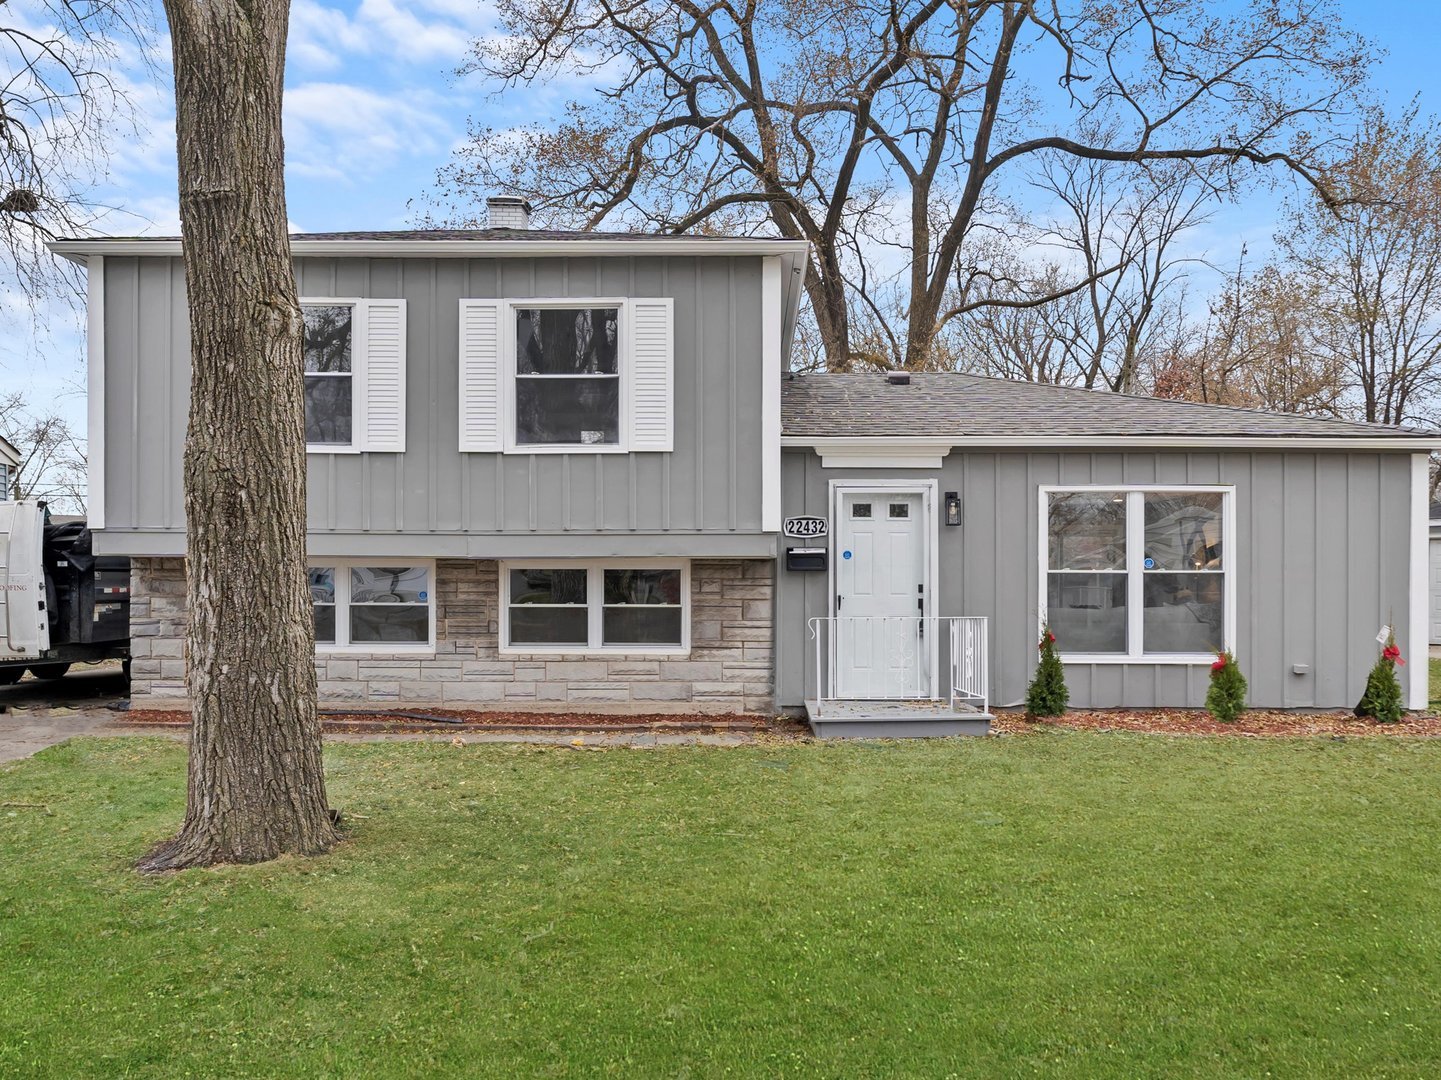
[(805, 558)]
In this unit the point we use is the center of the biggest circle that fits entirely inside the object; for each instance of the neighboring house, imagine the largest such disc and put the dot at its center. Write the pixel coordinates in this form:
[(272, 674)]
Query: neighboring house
[(9, 466), (550, 470)]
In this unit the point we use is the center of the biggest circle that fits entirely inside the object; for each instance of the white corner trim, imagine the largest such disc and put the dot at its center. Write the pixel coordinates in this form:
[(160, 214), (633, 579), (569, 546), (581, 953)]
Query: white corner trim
[(1418, 635), (863, 456), (772, 284), (95, 392)]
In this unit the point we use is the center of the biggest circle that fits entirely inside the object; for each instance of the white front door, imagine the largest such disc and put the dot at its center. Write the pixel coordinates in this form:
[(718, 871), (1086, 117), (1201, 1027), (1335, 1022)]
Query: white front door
[(881, 646)]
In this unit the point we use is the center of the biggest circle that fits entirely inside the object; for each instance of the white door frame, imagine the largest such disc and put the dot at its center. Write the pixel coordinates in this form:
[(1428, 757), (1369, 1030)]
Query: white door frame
[(928, 490)]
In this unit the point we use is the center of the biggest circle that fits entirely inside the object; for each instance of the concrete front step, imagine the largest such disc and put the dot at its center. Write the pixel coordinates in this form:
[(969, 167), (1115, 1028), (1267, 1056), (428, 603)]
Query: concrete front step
[(893, 720)]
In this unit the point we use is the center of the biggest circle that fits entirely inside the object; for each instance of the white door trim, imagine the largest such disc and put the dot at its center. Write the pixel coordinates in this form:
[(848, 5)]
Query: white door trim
[(928, 490)]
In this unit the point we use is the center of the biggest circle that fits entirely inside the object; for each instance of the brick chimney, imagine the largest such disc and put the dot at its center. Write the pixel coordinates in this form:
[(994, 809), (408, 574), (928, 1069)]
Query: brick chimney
[(507, 212)]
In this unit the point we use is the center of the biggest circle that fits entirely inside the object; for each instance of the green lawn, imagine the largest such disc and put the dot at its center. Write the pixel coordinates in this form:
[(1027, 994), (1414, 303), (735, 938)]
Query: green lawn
[(1062, 904)]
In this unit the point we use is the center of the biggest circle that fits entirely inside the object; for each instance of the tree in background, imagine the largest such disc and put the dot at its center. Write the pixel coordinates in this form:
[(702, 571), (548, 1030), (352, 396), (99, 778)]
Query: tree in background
[(60, 101), (853, 123), (1257, 348), (1371, 274), (52, 456), (256, 787), (1121, 230)]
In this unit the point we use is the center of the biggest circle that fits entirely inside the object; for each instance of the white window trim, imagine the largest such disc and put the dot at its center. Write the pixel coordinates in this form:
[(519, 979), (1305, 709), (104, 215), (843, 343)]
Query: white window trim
[(624, 366), (1135, 545), (595, 607), (342, 605), (357, 373)]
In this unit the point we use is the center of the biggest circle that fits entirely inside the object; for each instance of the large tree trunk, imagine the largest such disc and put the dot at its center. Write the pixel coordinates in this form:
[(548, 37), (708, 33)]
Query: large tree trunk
[(256, 786)]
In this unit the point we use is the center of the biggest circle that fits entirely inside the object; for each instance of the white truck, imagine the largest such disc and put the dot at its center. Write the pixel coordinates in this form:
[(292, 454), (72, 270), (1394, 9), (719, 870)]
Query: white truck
[(59, 603)]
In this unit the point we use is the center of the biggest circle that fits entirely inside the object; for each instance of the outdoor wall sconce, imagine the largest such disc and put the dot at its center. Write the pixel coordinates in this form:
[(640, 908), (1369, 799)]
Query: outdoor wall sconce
[(953, 508)]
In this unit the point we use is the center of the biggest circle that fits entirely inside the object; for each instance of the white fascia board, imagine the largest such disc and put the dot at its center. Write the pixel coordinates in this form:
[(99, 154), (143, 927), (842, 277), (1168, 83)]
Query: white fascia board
[(1401, 444), (78, 250)]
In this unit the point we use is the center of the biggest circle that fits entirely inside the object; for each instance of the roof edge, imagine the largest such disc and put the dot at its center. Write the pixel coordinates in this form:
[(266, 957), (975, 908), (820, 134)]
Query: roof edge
[(79, 250), (1402, 441)]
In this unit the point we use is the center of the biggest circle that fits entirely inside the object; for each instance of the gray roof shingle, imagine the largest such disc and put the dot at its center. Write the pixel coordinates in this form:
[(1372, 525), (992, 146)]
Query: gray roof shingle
[(970, 407)]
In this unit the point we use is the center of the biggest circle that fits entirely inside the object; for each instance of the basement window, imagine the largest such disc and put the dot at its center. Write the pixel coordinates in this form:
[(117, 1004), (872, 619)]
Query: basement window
[(364, 607), (602, 606)]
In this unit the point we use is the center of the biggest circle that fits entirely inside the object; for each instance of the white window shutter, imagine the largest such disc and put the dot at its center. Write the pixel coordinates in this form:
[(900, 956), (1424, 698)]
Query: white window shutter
[(480, 397), (652, 356), (383, 419)]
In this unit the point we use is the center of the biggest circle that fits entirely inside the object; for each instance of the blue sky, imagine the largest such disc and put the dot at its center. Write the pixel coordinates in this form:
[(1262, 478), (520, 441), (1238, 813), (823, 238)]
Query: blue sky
[(372, 110)]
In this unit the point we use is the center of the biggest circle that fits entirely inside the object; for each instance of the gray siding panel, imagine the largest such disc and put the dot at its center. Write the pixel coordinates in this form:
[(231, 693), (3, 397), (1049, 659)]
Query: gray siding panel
[(709, 485), (1321, 562)]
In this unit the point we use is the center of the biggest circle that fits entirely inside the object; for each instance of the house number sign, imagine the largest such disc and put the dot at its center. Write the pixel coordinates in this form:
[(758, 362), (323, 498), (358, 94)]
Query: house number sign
[(805, 527)]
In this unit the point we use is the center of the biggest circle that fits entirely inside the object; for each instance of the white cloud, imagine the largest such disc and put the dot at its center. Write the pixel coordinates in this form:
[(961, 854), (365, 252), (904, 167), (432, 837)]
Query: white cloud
[(429, 32), (336, 131)]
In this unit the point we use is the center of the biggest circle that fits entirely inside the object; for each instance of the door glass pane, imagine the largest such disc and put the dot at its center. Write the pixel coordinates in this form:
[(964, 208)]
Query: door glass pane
[(388, 585), (566, 341), (549, 626), (547, 586), (642, 624), (1183, 613), (326, 341), (1087, 612), (900, 510), (642, 587), (327, 409), (1087, 531), (395, 623), (583, 411), (860, 510), (1183, 530)]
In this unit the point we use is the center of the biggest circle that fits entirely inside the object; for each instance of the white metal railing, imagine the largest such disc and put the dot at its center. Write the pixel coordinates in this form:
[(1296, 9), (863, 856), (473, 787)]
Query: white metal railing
[(899, 658)]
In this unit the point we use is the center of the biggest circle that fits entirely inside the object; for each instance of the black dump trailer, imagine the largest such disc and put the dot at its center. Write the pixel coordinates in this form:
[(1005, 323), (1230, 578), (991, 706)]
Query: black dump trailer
[(60, 603)]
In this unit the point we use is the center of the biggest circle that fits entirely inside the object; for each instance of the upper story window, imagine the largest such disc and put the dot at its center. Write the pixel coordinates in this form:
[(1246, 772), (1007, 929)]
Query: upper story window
[(4, 481), (1139, 573), (567, 376), (329, 373), (354, 355)]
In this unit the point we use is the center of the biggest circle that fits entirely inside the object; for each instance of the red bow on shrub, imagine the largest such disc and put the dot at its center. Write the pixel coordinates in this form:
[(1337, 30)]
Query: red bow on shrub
[(1219, 665), (1047, 639), (1393, 653)]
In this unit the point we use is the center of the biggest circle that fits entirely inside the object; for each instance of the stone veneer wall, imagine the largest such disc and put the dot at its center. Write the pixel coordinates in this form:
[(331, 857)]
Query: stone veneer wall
[(729, 669)]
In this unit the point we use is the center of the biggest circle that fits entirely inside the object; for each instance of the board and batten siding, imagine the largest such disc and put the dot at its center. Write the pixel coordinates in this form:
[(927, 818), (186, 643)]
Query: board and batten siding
[(702, 498), (1322, 561)]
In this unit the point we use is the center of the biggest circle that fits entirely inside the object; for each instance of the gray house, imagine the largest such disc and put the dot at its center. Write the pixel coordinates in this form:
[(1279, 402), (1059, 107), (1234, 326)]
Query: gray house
[(569, 471)]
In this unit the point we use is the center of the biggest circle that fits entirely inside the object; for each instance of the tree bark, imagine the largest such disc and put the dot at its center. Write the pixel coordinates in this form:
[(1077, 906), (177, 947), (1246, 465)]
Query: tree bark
[(256, 786)]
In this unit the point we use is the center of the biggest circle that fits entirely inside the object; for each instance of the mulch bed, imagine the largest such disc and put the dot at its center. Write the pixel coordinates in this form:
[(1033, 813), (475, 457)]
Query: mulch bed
[(402, 720), (1256, 724)]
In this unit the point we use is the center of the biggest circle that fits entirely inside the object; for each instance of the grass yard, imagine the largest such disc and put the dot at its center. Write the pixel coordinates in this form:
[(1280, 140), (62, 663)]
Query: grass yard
[(1063, 904)]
